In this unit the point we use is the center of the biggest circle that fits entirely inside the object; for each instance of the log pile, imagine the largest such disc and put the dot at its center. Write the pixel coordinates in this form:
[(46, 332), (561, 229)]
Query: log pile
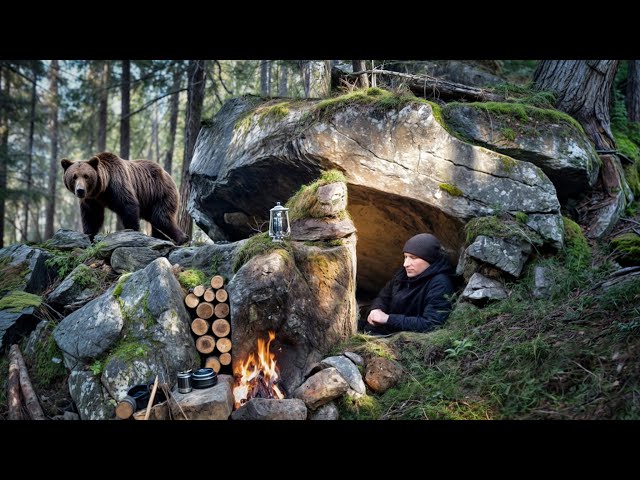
[(211, 328)]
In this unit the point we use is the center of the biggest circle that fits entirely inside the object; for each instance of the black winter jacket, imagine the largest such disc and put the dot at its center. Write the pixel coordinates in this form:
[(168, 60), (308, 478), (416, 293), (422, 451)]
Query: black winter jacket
[(417, 304)]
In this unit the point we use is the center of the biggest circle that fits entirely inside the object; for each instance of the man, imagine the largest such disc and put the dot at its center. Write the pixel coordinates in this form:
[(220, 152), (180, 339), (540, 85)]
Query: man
[(414, 298)]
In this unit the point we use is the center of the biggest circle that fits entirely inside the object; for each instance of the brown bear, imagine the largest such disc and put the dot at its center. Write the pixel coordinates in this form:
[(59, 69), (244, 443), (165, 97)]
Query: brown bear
[(133, 189)]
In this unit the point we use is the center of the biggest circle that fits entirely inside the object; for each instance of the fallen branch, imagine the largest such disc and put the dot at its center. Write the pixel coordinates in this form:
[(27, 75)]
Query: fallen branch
[(30, 397), (13, 388), (427, 86)]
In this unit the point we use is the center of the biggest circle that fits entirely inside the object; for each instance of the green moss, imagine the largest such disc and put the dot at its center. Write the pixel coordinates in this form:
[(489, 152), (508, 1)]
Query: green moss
[(192, 278), (121, 281), (97, 367), (577, 249), (508, 163), (377, 98), (12, 277), (522, 217), (129, 350), (64, 261), (17, 301), (258, 244), (273, 112), (301, 203), (632, 175), (628, 246), (523, 113), (366, 407), (149, 319), (85, 277), (451, 189), (492, 226), (46, 372), (508, 133)]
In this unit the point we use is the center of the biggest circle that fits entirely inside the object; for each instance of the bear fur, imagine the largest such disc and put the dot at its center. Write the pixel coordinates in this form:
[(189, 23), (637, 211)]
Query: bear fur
[(133, 189)]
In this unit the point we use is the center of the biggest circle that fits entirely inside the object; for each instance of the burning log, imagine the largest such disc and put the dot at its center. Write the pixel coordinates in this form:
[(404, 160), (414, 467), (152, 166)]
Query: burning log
[(212, 362), (205, 344), (221, 310), (205, 310), (223, 345), (222, 295), (221, 327), (191, 300), (198, 290), (217, 282), (199, 326), (225, 359), (209, 295), (257, 377)]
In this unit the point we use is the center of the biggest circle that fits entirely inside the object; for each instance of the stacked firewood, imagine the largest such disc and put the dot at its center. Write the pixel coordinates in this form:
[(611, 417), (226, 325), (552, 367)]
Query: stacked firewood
[(209, 307)]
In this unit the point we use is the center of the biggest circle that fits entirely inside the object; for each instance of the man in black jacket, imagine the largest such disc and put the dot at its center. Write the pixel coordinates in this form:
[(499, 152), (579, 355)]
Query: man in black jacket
[(414, 298)]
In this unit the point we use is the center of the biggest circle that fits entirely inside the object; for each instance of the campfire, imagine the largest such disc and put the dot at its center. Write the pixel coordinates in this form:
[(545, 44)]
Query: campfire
[(257, 378)]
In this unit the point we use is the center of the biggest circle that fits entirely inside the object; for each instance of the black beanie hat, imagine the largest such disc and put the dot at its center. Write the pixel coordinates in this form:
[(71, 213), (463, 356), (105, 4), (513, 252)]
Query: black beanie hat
[(425, 246)]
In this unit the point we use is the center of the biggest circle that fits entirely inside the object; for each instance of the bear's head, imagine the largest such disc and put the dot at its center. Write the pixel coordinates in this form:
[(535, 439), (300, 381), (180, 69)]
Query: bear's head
[(81, 178)]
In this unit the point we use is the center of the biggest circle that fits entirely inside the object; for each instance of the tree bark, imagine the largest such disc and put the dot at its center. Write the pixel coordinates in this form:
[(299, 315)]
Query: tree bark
[(265, 78), (583, 90), (53, 161), (305, 68), (173, 121), (125, 109), (282, 83), (103, 107), (4, 144), (192, 127), (363, 79), (32, 122), (633, 91)]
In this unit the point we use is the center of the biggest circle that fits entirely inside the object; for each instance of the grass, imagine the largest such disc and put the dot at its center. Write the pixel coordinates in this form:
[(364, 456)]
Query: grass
[(45, 371), (64, 261), (258, 244), (192, 278)]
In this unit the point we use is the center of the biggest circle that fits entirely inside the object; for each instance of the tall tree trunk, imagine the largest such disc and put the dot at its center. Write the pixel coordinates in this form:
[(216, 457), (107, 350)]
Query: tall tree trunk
[(583, 90), (326, 77), (173, 120), (282, 83), (305, 70), (53, 162), (4, 144), (125, 108), (265, 78), (363, 79), (633, 91), (192, 127), (32, 122), (103, 107)]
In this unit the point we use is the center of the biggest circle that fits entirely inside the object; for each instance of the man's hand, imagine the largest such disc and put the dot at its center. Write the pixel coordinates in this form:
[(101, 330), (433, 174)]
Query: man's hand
[(377, 317)]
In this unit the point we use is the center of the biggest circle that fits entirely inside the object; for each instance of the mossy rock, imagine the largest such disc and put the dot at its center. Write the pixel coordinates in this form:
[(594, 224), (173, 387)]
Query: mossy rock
[(628, 247)]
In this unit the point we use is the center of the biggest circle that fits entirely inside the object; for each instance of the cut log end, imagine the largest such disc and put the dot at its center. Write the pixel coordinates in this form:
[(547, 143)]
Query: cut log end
[(222, 295), (225, 359), (209, 295), (199, 326), (205, 344), (222, 310), (212, 362), (217, 282), (198, 291), (191, 301), (221, 327), (205, 310), (224, 345)]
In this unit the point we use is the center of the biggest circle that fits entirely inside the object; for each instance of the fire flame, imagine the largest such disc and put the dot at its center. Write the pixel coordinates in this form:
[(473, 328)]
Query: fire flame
[(257, 378)]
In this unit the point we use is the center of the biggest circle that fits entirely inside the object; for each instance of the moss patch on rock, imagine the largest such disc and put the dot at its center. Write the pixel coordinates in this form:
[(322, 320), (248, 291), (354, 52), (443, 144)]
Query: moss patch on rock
[(301, 204), (12, 277), (628, 246), (451, 189), (17, 301), (493, 226), (258, 244), (192, 277)]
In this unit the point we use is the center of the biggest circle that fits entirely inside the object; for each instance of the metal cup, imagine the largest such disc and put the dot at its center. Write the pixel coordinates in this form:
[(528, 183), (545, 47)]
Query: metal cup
[(184, 381)]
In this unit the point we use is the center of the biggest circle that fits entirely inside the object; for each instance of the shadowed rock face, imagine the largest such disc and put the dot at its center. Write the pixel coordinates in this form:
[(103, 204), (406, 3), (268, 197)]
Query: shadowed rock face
[(405, 174)]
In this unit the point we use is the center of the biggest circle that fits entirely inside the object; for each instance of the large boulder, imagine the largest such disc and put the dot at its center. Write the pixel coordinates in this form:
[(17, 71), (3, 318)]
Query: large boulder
[(552, 141), (405, 174)]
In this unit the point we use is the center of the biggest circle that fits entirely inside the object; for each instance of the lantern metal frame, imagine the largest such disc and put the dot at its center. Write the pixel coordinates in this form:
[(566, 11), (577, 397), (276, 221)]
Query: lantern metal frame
[(279, 225)]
